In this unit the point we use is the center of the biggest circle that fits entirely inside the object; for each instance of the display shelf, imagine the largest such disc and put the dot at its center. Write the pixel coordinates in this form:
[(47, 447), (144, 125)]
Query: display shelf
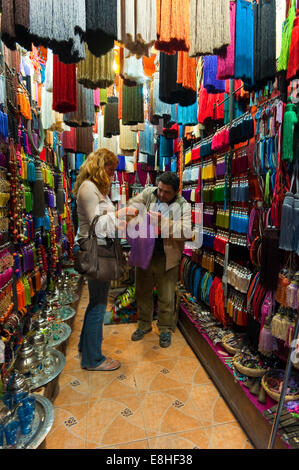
[(51, 389), (75, 304), (245, 406)]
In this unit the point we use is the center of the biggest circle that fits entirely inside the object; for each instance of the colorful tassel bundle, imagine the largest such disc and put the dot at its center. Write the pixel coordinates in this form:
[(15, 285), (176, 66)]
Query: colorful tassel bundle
[(38, 194), (289, 122)]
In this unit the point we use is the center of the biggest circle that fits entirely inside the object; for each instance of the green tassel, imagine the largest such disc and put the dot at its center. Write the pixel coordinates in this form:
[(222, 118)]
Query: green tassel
[(51, 285), (286, 38), (30, 201), (27, 292), (289, 122)]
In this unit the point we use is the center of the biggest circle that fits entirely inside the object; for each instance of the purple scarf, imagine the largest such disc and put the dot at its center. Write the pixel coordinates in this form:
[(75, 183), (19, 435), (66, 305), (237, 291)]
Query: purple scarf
[(142, 248)]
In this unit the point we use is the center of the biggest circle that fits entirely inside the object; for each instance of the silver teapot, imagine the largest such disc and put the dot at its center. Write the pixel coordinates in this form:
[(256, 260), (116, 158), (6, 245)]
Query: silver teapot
[(65, 295), (59, 283), (38, 338), (40, 322), (55, 295), (26, 359), (47, 310)]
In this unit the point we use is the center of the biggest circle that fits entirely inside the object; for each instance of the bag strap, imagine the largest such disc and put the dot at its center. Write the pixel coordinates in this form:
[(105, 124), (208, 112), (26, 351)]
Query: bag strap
[(92, 227)]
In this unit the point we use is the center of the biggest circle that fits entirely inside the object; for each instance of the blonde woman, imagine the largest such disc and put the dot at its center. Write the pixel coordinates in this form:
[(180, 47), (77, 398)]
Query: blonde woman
[(91, 191)]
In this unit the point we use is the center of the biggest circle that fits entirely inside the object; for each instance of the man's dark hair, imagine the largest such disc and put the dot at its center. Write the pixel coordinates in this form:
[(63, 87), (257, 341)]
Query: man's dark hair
[(170, 178)]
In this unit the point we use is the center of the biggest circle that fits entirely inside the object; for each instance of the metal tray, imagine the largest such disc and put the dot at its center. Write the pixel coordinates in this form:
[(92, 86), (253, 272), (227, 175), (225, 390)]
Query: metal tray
[(44, 379), (63, 332), (75, 298), (68, 264), (70, 312), (41, 426)]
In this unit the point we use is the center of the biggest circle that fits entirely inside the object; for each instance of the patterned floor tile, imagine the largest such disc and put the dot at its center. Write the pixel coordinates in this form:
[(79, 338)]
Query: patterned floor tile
[(130, 445), (168, 412), (62, 439), (156, 376), (122, 331), (196, 439), (210, 408), (111, 422), (160, 398), (70, 395), (227, 436), (73, 341), (77, 379), (191, 371), (73, 362), (112, 384)]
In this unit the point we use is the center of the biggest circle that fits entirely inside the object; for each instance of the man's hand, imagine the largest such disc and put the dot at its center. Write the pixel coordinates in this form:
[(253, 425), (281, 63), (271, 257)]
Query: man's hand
[(155, 218), (127, 213)]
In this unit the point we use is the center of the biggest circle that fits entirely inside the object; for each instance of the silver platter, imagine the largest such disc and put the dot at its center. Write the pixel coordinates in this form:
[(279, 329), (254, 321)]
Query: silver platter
[(68, 264), (61, 334), (73, 299), (41, 426), (73, 273), (66, 312), (43, 379)]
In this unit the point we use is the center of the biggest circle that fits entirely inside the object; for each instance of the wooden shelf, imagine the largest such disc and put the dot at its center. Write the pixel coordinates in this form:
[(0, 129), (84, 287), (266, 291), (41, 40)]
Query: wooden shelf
[(251, 419)]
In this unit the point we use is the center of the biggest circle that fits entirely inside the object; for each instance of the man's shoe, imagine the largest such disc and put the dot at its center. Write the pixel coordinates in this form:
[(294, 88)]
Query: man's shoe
[(165, 339), (139, 334)]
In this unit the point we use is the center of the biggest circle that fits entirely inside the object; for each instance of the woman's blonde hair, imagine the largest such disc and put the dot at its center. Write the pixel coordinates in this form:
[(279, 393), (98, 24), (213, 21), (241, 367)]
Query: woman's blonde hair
[(93, 169)]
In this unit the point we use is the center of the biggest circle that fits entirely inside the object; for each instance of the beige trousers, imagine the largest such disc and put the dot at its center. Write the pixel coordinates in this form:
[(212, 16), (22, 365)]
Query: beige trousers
[(165, 282)]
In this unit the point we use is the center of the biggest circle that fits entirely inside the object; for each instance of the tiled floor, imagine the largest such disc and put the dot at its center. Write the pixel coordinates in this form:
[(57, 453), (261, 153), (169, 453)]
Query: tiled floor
[(158, 399)]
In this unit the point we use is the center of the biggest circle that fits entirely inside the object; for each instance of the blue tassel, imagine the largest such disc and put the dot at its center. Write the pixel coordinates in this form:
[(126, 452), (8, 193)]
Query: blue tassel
[(33, 172), (47, 222)]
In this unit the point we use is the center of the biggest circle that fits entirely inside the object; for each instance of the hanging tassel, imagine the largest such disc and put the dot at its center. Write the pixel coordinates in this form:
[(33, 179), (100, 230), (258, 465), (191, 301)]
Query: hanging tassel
[(60, 197), (290, 335), (275, 326), (285, 328), (286, 238), (38, 194), (47, 222), (289, 122), (266, 341)]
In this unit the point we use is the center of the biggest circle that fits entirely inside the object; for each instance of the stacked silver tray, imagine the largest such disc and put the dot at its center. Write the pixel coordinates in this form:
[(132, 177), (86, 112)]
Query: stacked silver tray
[(41, 426), (58, 360)]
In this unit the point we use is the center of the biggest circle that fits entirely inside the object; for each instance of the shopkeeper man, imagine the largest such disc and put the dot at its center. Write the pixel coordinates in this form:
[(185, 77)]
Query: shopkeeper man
[(171, 215)]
